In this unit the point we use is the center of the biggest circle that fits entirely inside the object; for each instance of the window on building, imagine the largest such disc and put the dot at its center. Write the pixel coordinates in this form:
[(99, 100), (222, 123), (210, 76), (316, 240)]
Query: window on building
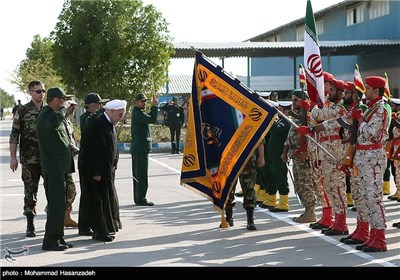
[(319, 25), (355, 14), (275, 38), (300, 33), (378, 9)]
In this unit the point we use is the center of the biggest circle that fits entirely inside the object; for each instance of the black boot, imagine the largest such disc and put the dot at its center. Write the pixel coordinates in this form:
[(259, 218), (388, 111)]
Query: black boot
[(173, 148), (250, 219), (30, 228), (229, 216)]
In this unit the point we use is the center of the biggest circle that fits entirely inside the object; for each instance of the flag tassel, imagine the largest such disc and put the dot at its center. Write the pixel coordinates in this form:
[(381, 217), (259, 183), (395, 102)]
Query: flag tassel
[(224, 223)]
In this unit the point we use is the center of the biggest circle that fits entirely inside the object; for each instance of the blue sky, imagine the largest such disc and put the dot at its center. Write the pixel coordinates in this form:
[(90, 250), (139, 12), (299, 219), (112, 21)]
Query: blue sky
[(189, 21)]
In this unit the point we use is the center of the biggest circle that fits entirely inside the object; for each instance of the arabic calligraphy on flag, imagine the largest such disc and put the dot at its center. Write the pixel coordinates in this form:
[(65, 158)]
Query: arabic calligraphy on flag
[(226, 123)]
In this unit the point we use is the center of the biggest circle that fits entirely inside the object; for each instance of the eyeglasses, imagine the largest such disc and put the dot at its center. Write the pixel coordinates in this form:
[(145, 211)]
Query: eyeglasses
[(39, 91)]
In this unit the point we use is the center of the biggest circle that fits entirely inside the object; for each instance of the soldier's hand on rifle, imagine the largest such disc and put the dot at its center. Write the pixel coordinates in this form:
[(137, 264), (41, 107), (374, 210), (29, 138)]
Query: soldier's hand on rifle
[(357, 114), (303, 130), (345, 170), (307, 104)]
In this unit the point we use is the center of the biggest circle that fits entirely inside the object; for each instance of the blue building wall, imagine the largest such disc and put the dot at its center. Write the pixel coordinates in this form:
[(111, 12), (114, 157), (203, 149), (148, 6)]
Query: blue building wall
[(384, 27)]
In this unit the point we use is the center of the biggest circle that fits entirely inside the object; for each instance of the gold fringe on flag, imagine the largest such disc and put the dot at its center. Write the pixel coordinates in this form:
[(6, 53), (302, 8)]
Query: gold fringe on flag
[(224, 223)]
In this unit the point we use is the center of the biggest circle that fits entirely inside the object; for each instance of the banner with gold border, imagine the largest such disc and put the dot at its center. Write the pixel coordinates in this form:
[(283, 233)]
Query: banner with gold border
[(226, 123)]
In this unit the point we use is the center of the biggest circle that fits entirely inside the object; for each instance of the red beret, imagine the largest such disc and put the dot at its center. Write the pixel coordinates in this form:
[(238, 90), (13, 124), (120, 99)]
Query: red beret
[(339, 84), (328, 77), (375, 81), (349, 86)]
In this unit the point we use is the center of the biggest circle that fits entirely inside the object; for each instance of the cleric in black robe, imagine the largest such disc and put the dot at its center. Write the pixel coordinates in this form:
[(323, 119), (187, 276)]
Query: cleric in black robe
[(98, 158)]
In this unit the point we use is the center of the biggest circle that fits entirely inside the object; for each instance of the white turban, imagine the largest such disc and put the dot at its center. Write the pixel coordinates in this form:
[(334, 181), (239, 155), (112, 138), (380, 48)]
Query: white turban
[(115, 104)]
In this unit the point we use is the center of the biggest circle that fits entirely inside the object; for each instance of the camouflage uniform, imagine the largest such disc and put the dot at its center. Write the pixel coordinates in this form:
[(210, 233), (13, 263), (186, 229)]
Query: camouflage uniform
[(371, 161), (247, 180), (317, 174), (302, 172), (355, 180), (334, 179), (23, 132), (70, 185)]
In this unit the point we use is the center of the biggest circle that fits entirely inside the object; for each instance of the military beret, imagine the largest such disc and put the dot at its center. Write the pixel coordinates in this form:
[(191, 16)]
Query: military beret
[(300, 93), (115, 104), (339, 84), (375, 81), (328, 77), (349, 86)]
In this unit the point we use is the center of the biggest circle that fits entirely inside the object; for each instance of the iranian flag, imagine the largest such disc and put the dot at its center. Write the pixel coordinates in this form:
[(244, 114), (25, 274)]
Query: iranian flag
[(313, 60), (302, 76), (358, 81)]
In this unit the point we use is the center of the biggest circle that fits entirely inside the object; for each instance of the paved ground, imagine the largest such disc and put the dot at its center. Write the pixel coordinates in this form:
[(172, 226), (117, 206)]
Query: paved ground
[(181, 230)]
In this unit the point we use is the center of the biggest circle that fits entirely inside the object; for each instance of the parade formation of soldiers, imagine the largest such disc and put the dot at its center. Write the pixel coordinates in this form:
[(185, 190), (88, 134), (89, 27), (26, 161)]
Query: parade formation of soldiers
[(356, 148)]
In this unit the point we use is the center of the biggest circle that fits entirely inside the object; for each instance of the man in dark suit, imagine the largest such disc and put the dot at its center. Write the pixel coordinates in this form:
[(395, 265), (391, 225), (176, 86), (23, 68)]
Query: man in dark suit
[(98, 158), (56, 161), (141, 147), (175, 120)]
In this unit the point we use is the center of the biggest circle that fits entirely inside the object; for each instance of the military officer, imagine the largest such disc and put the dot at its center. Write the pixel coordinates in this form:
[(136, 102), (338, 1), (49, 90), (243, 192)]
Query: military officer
[(302, 169), (93, 105), (371, 160), (247, 180), (334, 179), (93, 102), (56, 161), (141, 146), (24, 133), (352, 99), (175, 120)]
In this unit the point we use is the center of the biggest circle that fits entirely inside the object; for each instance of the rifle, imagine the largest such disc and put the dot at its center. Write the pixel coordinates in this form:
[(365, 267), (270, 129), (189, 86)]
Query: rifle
[(303, 119), (351, 150)]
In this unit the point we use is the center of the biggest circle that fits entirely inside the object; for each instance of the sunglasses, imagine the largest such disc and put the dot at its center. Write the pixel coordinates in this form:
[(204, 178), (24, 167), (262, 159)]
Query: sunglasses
[(39, 91)]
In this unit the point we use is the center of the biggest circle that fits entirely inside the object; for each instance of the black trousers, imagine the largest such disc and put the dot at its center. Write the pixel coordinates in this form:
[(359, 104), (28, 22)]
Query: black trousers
[(175, 132)]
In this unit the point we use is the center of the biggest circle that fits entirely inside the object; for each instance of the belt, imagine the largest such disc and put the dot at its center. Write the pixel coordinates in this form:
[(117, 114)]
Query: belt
[(396, 142), (328, 138), (374, 146)]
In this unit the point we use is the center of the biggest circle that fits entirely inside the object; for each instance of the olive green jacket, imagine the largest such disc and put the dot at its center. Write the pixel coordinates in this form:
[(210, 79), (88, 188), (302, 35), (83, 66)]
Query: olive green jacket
[(141, 131), (54, 146)]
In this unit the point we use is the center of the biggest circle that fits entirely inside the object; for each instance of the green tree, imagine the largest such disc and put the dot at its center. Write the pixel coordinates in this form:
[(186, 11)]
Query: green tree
[(38, 65), (115, 48), (6, 99)]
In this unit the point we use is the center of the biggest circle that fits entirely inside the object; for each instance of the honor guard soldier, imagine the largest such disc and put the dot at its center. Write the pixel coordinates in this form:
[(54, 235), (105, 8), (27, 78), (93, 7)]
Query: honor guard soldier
[(371, 160)]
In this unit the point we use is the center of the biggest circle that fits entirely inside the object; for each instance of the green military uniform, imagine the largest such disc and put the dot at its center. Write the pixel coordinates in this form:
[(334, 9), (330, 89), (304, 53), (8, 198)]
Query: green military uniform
[(140, 148), (82, 121), (23, 132), (56, 159), (277, 171)]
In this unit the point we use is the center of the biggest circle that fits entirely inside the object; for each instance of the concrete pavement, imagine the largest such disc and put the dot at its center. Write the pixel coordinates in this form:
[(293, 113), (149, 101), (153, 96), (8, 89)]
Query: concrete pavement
[(181, 230)]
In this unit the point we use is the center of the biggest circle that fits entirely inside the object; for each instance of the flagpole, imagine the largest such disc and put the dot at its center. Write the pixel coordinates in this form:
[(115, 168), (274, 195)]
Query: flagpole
[(296, 126)]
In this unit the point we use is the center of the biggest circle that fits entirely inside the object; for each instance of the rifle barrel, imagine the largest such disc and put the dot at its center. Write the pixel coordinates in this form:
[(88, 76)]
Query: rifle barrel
[(296, 126)]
